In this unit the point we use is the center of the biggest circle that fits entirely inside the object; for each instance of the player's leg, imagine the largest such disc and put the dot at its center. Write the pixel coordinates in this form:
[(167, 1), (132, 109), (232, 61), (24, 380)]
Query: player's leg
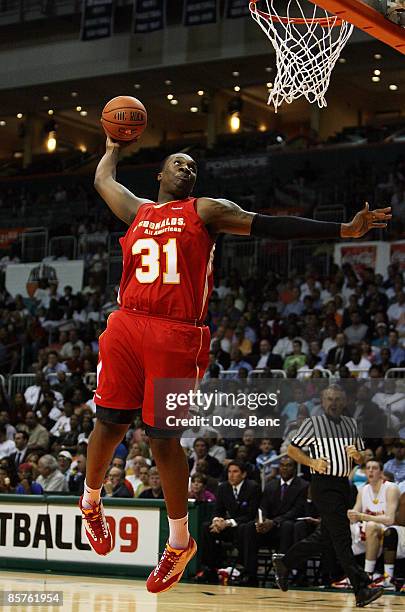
[(176, 351), (119, 390), (390, 546), (104, 439), (172, 466), (373, 544), (173, 469)]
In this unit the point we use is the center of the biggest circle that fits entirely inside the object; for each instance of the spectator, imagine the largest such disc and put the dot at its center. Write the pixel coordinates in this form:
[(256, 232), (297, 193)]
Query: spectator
[(237, 362), (357, 331), (64, 463), (137, 463), (397, 308), (296, 306), (397, 354), (70, 439), (38, 435), (297, 357), (397, 465), (32, 392), (284, 345), (5, 422), (51, 478), (74, 340), (281, 504), (154, 491), (267, 359), (385, 361), (77, 476), (198, 489), (7, 447), (5, 481), (339, 355), (236, 504), (358, 365), (201, 452), (114, 485), (21, 449), (52, 367), (215, 450), (144, 478), (26, 483), (267, 461)]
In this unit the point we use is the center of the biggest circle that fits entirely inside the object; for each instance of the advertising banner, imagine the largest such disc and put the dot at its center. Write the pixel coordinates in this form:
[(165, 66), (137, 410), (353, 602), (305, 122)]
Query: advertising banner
[(397, 254), (55, 533), (361, 255), (8, 236), (24, 279)]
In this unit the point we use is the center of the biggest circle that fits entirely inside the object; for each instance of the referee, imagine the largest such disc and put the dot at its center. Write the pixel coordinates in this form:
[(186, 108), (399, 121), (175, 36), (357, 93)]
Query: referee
[(333, 442)]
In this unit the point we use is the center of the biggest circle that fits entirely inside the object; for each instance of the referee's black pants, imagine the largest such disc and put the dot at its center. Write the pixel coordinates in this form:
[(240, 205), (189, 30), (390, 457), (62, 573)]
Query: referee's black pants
[(333, 497)]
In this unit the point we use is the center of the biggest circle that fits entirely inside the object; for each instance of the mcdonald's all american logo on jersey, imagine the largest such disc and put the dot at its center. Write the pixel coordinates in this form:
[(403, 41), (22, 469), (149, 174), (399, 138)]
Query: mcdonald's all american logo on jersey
[(155, 228)]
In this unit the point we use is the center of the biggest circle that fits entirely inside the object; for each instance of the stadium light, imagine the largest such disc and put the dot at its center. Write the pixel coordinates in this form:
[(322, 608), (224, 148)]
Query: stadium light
[(51, 142)]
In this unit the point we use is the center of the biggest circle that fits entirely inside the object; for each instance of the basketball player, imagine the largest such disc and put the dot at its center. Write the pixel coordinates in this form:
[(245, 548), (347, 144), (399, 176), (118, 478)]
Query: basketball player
[(159, 331), (372, 523)]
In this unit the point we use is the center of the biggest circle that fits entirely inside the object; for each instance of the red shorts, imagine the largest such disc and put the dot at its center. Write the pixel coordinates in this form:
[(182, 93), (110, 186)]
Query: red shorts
[(135, 350)]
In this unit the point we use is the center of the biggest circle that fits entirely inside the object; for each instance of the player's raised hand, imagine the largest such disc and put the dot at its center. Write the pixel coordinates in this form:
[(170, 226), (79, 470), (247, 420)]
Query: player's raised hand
[(366, 220)]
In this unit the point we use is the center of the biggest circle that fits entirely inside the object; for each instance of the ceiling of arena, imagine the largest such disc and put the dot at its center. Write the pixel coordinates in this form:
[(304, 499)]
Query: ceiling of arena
[(351, 82)]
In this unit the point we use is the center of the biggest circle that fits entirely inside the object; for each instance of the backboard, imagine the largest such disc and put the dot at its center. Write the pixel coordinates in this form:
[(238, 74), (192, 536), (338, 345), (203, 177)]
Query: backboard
[(383, 19)]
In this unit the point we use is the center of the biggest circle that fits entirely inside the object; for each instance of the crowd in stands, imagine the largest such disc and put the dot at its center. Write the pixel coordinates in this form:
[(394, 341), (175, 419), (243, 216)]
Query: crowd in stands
[(349, 326)]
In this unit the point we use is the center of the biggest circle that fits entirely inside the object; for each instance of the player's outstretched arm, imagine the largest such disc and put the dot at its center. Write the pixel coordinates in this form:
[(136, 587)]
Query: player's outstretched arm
[(123, 203), (224, 216)]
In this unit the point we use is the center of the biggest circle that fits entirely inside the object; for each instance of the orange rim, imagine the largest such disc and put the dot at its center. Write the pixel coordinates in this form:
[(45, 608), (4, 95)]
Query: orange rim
[(324, 22)]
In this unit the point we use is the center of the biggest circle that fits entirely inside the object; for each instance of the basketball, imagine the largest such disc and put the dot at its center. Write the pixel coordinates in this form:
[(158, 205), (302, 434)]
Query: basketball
[(124, 118)]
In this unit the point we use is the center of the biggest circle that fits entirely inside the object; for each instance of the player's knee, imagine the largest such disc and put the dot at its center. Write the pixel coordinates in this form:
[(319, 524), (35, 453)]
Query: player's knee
[(372, 529), (390, 539), (164, 446)]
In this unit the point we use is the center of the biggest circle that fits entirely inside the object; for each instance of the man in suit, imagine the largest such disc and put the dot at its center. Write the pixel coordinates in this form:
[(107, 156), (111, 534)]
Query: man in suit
[(267, 359), (201, 449), (283, 501), (339, 355), (237, 503), (21, 442)]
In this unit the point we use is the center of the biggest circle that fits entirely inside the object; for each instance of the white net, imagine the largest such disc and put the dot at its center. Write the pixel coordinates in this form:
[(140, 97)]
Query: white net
[(307, 46)]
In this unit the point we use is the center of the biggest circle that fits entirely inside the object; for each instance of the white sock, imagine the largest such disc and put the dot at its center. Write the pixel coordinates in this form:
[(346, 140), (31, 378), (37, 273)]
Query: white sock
[(389, 570), (90, 496), (369, 566), (179, 534)]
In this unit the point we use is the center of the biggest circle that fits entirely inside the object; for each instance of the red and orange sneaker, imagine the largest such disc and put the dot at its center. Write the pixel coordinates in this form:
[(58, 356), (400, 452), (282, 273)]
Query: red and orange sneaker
[(97, 529), (170, 568)]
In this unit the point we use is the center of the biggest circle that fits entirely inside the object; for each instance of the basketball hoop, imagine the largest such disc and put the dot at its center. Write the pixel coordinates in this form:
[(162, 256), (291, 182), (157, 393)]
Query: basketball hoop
[(307, 46)]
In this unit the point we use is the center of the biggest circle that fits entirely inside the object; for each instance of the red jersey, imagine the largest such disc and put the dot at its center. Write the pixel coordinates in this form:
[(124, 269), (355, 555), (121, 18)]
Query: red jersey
[(167, 262)]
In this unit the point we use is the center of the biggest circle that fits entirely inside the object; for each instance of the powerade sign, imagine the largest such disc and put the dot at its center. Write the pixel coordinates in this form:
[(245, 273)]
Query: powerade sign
[(200, 12), (55, 532)]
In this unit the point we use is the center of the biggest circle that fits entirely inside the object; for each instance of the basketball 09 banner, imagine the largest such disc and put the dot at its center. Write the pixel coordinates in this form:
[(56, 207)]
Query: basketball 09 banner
[(97, 19), (200, 12), (55, 533), (149, 16), (24, 279), (237, 8)]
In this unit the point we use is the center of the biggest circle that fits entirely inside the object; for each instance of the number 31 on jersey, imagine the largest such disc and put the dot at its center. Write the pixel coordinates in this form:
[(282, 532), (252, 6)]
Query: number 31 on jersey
[(151, 258)]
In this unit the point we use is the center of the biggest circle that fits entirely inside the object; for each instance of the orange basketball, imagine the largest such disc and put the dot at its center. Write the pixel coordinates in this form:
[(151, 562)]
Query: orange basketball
[(124, 118)]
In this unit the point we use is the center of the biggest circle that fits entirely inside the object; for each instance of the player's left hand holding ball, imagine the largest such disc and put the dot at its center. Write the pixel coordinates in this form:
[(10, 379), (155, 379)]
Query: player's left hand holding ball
[(366, 220)]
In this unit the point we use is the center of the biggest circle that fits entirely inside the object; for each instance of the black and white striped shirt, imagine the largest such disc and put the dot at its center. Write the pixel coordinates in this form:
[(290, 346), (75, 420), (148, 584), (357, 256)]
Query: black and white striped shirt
[(328, 437)]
